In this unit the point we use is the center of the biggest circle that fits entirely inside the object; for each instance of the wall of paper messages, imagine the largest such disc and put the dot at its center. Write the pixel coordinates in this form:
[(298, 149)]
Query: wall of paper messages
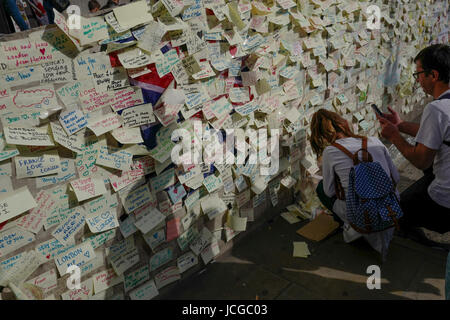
[(87, 116)]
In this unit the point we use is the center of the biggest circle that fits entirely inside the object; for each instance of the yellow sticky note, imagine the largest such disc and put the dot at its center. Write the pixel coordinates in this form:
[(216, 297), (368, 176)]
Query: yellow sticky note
[(14, 203), (301, 250), (133, 14)]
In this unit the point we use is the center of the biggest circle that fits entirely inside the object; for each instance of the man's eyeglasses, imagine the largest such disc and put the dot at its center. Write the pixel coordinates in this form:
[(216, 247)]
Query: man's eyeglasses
[(416, 74)]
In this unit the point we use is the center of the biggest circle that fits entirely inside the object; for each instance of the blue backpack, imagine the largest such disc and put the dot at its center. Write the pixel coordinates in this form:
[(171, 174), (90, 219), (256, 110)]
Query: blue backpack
[(372, 204)]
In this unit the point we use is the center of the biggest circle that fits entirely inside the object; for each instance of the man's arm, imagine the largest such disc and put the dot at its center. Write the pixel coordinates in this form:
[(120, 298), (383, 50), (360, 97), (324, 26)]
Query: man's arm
[(420, 156), (410, 128)]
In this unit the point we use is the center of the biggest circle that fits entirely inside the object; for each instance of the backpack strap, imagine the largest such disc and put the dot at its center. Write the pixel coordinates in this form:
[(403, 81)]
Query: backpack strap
[(339, 190), (367, 157)]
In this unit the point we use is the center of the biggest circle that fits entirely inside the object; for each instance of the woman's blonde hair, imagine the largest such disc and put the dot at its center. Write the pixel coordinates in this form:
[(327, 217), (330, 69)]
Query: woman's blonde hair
[(325, 125)]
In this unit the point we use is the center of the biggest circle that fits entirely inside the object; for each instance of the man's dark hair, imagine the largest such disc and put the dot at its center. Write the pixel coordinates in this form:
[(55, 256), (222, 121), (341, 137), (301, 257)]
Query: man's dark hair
[(436, 57), (93, 4)]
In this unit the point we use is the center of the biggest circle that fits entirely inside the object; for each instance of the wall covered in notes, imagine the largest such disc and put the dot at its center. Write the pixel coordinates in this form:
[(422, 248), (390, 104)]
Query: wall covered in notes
[(89, 121)]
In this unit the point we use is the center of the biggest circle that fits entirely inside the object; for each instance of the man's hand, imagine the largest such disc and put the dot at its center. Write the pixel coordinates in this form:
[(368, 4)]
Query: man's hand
[(393, 117), (388, 129)]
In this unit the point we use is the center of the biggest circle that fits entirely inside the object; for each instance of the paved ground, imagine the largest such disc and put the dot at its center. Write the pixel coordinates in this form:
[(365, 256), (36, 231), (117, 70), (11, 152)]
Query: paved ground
[(261, 266)]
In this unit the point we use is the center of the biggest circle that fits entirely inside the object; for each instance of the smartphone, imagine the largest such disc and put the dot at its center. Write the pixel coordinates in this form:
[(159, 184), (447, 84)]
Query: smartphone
[(375, 108)]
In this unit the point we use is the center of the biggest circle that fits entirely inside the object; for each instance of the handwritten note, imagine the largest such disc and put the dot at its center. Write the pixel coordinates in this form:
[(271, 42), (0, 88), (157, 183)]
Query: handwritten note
[(127, 135), (57, 71), (114, 158), (92, 100), (136, 278), (65, 232), (74, 142), (110, 79), (147, 291), (46, 281), (42, 164), (42, 97), (127, 97), (72, 121), (28, 136), (134, 58), (35, 219), (138, 116), (102, 221), (137, 198), (92, 30), (150, 220), (13, 239), (87, 188), (106, 123), (105, 279)]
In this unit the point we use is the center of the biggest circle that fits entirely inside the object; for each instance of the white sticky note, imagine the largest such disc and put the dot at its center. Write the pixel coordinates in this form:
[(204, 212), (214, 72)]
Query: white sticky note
[(78, 255)]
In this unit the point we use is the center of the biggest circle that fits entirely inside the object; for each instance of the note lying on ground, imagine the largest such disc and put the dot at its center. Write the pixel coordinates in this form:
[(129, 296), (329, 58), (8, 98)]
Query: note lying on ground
[(65, 232), (105, 123), (133, 14), (13, 239), (290, 217), (14, 203), (28, 136), (37, 165), (72, 121), (88, 188), (301, 250)]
